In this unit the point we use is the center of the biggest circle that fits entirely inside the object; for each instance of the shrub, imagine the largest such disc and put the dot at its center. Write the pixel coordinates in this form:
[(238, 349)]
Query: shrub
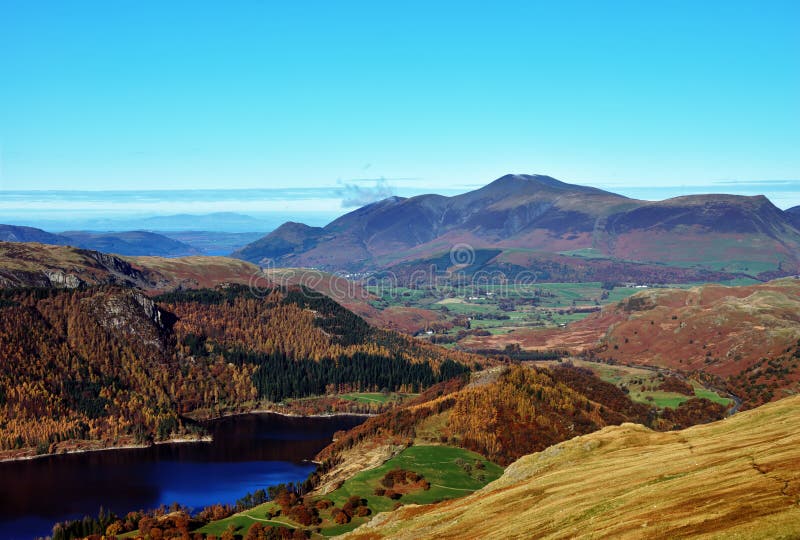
[(324, 504), (340, 517)]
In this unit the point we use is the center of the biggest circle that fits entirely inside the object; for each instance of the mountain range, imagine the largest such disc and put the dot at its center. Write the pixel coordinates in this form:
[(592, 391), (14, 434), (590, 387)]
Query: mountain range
[(122, 243), (139, 242), (525, 216)]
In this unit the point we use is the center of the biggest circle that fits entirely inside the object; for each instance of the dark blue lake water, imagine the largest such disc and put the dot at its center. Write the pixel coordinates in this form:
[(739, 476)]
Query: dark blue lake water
[(248, 452)]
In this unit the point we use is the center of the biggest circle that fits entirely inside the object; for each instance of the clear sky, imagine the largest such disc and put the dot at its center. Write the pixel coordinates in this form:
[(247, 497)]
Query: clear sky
[(429, 95)]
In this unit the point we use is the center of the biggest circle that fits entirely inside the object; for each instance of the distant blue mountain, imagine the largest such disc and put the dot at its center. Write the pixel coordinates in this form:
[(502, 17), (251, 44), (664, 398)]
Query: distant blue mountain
[(131, 243)]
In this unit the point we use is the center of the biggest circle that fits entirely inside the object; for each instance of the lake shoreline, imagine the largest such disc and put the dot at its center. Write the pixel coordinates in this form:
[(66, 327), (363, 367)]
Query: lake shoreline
[(296, 415), (247, 453), (174, 440), (183, 439)]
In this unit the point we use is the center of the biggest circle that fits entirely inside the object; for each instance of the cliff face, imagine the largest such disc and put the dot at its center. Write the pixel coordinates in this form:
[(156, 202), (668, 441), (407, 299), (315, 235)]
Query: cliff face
[(66, 267), (44, 265)]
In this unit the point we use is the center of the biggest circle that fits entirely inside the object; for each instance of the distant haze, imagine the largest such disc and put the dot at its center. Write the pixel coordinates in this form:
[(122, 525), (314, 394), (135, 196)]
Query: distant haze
[(262, 210)]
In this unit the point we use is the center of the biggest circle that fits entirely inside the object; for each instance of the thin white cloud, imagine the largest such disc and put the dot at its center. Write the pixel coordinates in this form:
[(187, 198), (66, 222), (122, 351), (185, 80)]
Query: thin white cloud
[(354, 195)]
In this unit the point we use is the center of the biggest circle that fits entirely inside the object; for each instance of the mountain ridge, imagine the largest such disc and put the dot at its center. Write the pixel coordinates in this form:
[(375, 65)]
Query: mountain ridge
[(540, 213), (127, 243)]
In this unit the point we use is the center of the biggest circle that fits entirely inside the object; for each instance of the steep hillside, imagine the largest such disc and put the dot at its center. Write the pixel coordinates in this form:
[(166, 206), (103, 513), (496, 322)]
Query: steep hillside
[(727, 231), (794, 215), (733, 478), (288, 239), (43, 265), (747, 338), (40, 265), (104, 366), (420, 452), (538, 213), (515, 205)]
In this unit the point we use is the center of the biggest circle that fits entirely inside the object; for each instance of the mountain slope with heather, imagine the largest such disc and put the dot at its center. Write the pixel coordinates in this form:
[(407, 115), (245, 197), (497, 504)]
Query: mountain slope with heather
[(733, 478), (535, 214)]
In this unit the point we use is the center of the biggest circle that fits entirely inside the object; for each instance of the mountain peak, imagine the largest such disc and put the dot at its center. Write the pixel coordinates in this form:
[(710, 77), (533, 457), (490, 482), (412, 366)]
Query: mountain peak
[(513, 180), (516, 183)]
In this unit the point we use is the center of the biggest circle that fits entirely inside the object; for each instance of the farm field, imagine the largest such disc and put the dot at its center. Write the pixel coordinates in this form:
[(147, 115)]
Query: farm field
[(456, 312), (500, 309)]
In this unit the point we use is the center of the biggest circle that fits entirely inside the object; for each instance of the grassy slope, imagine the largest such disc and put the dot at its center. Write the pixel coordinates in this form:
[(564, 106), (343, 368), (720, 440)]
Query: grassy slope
[(436, 463), (734, 478), (198, 271), (244, 520)]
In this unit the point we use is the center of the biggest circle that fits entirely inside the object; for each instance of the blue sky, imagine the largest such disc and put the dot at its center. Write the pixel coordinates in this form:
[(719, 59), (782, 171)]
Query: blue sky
[(431, 96)]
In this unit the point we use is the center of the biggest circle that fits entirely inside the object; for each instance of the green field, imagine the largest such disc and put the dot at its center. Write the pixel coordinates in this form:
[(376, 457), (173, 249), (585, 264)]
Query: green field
[(711, 396), (436, 463), (643, 384), (671, 400), (244, 520), (451, 472), (375, 397), (499, 309)]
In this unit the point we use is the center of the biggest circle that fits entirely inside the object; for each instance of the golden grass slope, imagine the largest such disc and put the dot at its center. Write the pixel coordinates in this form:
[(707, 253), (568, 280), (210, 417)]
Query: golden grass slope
[(736, 478), (196, 271)]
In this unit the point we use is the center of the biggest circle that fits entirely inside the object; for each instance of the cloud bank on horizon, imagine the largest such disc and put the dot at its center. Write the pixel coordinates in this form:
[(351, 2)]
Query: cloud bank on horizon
[(124, 210)]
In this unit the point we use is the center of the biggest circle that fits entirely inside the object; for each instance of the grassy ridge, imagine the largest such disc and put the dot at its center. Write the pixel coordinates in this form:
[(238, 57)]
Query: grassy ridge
[(734, 478)]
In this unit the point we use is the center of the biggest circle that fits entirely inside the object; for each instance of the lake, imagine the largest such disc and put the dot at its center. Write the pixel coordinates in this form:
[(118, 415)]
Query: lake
[(248, 452)]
